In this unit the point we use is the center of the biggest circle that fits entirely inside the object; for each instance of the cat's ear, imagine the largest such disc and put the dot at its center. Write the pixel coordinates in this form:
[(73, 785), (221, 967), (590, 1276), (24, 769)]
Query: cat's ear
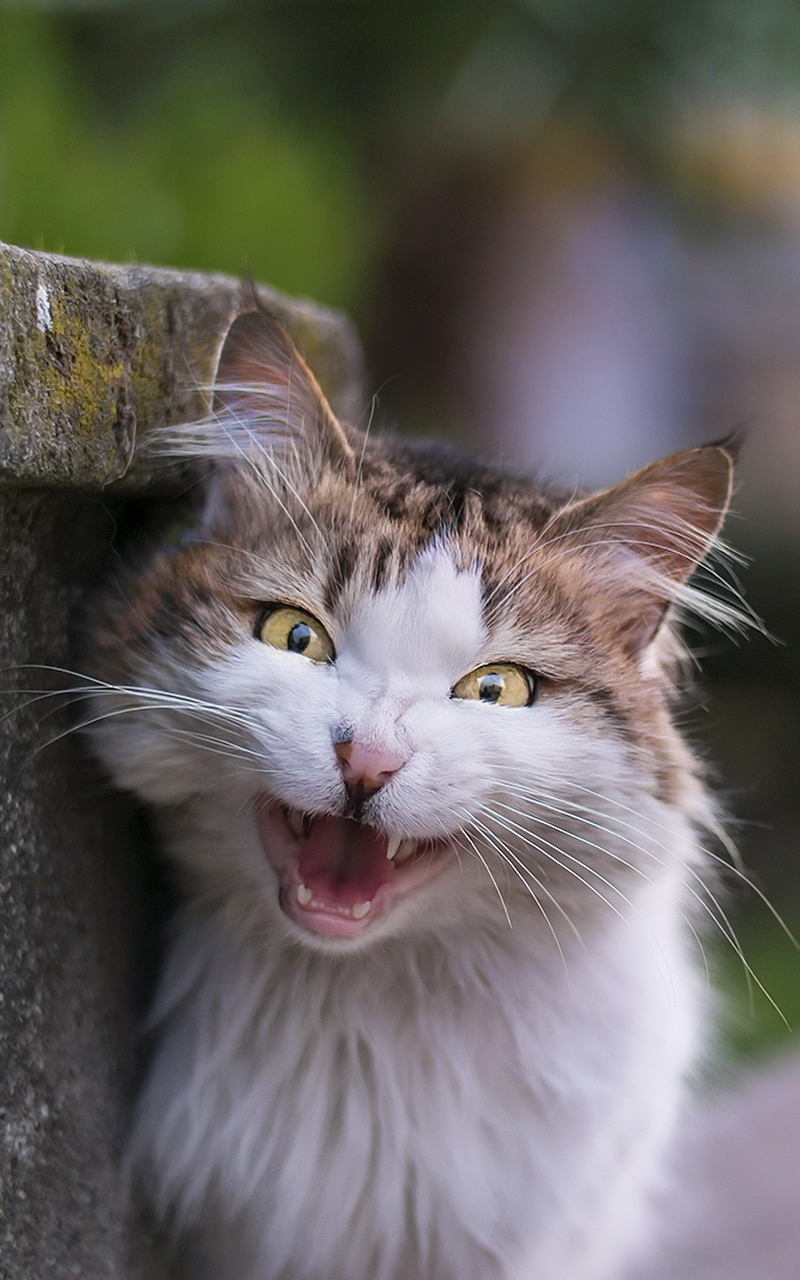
[(646, 535), (267, 403)]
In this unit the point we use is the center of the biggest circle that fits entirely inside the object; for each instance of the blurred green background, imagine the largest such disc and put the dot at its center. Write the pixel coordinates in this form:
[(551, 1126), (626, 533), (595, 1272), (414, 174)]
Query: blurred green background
[(569, 231)]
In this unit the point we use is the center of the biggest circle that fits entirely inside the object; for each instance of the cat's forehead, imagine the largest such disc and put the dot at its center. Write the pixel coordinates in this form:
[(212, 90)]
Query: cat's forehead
[(433, 618), (425, 489), (407, 500), (360, 538), (423, 543)]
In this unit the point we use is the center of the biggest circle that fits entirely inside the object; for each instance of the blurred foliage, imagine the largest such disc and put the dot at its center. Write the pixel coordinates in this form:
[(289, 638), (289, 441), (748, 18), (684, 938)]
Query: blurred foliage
[(761, 994), (192, 174), (751, 712), (273, 135)]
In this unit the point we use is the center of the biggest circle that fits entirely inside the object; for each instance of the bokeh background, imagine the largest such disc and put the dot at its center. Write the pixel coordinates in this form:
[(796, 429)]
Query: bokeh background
[(569, 232)]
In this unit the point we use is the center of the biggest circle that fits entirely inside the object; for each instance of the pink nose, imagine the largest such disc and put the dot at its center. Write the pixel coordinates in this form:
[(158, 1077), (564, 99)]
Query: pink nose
[(367, 767)]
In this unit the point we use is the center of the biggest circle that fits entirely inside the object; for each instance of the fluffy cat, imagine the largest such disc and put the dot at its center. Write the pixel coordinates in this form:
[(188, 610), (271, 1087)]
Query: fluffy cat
[(405, 725)]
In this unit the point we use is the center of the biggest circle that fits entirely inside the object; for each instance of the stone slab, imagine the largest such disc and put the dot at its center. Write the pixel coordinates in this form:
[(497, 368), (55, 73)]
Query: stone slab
[(93, 357)]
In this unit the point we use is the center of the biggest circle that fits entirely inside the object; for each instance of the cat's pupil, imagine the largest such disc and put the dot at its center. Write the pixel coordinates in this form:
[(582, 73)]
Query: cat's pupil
[(300, 637), (490, 687)]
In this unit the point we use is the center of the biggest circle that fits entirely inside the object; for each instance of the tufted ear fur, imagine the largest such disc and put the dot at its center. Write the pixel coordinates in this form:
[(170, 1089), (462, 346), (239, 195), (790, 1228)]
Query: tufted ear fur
[(272, 429), (647, 534), (266, 395)]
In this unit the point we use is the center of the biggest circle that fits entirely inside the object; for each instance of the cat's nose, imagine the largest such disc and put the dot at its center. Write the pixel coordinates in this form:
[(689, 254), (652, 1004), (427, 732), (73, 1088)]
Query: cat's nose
[(366, 769)]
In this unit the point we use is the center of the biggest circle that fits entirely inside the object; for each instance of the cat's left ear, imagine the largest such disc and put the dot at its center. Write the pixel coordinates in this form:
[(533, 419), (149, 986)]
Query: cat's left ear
[(269, 405), (647, 534)]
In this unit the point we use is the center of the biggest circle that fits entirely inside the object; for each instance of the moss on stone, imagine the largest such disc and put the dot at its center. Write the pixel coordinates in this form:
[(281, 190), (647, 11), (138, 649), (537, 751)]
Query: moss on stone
[(93, 357)]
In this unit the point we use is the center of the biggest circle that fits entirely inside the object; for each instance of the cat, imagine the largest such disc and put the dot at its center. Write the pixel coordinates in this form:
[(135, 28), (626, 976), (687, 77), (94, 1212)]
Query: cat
[(405, 723)]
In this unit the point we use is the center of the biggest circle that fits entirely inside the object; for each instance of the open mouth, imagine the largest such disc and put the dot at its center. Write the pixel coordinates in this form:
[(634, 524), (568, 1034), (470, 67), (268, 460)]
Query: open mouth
[(339, 876)]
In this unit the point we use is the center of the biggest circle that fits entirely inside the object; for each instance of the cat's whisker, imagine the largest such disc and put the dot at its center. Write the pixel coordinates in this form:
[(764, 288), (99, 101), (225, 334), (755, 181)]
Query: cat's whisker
[(40, 695), (753, 887), (261, 475), (521, 869), (736, 616), (536, 792), (715, 829), (644, 850), (146, 699), (92, 683), (552, 806), (558, 853), (541, 799), (579, 809), (710, 904), (219, 746), (150, 700), (489, 873), (362, 455), (114, 713), (605, 852), (538, 842)]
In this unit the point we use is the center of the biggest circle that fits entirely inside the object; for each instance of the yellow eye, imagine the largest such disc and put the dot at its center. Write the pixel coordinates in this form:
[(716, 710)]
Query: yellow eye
[(502, 685), (296, 631)]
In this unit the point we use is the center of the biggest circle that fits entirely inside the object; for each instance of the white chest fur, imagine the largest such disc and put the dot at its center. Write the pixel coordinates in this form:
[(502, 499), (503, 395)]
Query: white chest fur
[(470, 1108)]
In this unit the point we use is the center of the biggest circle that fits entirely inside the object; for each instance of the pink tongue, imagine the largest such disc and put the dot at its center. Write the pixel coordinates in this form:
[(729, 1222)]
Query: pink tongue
[(343, 862)]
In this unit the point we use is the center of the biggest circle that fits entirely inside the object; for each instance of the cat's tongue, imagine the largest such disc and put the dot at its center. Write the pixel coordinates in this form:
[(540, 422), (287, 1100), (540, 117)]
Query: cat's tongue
[(335, 876), (343, 863)]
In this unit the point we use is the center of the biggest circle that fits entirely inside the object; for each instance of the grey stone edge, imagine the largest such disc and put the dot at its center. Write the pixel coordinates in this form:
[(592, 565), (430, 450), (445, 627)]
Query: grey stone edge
[(94, 357)]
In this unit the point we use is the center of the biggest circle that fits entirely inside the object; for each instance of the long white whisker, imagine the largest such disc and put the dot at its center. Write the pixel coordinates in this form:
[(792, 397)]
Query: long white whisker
[(179, 701), (716, 830), (174, 730), (534, 843), (488, 871), (362, 455), (521, 869), (712, 907), (557, 856), (629, 865), (262, 476), (516, 865)]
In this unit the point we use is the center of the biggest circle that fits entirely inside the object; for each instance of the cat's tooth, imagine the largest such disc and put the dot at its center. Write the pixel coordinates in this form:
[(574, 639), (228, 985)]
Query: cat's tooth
[(360, 909), (405, 851), (393, 846), (304, 895)]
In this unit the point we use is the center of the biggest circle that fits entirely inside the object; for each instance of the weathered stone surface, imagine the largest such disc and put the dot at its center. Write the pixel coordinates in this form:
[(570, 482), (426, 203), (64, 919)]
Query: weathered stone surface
[(92, 357), (70, 922)]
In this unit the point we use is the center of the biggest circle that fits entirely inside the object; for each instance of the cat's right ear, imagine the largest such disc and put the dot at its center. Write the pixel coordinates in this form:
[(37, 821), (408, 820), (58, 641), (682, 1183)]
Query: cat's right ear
[(271, 433), (268, 406)]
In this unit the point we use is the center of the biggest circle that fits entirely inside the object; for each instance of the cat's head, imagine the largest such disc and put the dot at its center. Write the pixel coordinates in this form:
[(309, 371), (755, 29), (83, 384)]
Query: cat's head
[(408, 683)]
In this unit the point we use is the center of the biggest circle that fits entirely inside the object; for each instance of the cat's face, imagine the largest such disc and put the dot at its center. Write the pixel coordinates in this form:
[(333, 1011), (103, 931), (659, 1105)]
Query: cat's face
[(405, 679)]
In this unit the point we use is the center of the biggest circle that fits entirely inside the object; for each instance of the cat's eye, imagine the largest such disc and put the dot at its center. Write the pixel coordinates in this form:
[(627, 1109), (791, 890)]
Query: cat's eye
[(502, 685), (284, 627)]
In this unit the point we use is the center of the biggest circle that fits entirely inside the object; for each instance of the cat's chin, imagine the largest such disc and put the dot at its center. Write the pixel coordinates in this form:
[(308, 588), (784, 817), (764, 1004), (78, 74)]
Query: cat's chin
[(339, 878)]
